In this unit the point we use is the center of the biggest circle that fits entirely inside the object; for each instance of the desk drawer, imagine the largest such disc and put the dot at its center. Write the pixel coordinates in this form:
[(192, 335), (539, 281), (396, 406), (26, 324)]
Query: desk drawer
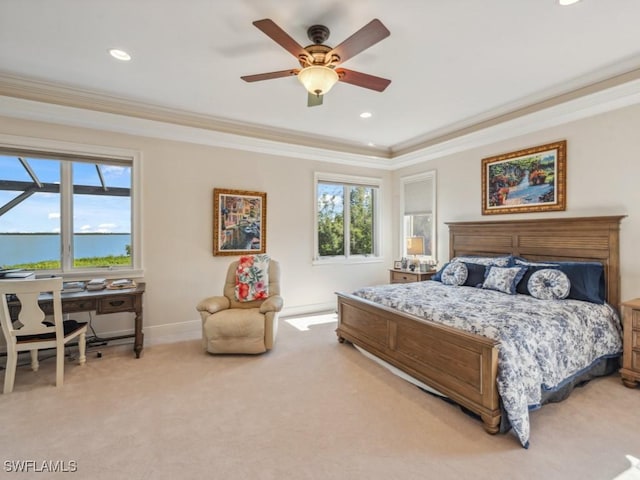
[(117, 303), (71, 306)]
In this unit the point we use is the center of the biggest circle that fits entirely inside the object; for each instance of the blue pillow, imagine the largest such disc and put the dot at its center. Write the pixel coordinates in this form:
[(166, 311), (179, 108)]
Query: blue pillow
[(587, 280), (438, 275), (475, 274)]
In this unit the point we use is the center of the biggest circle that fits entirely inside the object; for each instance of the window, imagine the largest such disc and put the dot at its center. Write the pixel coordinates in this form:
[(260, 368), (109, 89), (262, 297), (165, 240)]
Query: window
[(418, 212), (67, 212), (346, 217)]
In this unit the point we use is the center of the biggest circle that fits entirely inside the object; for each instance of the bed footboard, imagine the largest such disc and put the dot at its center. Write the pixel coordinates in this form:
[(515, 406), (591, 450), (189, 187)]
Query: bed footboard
[(460, 365)]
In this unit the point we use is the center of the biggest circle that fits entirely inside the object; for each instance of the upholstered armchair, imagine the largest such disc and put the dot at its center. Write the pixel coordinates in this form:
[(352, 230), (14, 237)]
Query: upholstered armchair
[(233, 324)]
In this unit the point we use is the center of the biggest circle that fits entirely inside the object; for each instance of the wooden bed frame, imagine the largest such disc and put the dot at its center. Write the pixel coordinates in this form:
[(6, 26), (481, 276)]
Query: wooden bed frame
[(463, 366)]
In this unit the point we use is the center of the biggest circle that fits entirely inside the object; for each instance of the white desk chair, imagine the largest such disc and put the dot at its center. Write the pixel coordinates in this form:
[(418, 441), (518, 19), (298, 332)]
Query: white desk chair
[(31, 332)]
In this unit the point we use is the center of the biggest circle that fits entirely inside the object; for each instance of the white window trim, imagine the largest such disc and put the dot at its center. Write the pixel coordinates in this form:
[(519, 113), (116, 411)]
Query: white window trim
[(377, 233), (103, 153), (420, 177)]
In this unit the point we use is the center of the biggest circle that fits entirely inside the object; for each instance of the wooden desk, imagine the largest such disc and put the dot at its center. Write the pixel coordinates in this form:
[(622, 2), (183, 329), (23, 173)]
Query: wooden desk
[(100, 301)]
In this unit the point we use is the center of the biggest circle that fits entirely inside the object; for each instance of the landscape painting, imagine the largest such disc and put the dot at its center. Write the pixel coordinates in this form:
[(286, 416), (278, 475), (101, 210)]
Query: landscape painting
[(530, 180), (239, 222)]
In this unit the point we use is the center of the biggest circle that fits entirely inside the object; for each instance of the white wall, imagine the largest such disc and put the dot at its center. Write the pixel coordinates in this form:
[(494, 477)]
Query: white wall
[(177, 213), (603, 178), (603, 168)]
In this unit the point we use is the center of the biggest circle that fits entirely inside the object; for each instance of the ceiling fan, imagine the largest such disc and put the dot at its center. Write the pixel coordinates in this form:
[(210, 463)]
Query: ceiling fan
[(318, 61)]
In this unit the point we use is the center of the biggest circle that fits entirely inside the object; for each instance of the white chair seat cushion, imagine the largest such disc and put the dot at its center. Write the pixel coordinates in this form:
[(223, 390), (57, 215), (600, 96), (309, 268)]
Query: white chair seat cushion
[(237, 330)]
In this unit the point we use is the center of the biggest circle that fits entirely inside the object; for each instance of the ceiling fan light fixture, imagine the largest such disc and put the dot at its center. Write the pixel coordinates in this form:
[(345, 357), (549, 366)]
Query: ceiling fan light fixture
[(318, 79)]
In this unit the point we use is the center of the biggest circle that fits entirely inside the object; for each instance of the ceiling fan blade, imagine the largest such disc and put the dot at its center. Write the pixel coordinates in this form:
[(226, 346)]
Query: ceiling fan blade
[(282, 38), (362, 79), (369, 35), (314, 100), (270, 75)]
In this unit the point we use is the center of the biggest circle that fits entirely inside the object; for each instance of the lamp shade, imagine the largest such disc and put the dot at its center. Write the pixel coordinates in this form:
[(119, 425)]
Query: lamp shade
[(318, 79), (415, 245)]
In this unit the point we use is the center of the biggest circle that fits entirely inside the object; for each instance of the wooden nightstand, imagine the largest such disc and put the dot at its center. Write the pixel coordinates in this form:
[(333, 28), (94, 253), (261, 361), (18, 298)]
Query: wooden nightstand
[(630, 370), (406, 276)]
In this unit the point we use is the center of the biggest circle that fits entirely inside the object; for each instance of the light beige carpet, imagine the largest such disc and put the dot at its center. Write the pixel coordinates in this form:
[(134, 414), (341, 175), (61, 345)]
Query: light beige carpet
[(310, 409)]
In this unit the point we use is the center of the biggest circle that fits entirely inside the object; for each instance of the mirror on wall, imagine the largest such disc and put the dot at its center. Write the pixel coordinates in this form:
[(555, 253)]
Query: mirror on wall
[(418, 213)]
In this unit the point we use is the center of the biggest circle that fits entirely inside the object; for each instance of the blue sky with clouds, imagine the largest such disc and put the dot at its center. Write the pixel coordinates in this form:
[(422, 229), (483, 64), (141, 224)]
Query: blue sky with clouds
[(41, 211)]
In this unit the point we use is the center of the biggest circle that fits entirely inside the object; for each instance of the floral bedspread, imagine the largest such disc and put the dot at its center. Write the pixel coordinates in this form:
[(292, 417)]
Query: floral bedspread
[(543, 343)]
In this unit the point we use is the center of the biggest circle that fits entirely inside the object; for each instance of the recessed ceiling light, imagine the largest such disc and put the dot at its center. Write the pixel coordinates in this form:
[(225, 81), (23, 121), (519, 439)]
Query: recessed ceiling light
[(119, 54), (365, 115), (565, 3)]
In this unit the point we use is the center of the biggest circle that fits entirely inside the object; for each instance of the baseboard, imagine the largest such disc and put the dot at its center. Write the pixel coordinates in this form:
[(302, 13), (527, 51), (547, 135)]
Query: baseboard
[(192, 329), (308, 309), (173, 332)]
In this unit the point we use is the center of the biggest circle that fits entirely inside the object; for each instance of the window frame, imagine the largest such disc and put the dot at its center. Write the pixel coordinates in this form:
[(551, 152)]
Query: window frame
[(74, 152), (355, 181), (420, 177)]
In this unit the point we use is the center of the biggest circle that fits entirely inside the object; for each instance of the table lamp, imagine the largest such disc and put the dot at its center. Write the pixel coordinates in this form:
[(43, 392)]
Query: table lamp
[(415, 246)]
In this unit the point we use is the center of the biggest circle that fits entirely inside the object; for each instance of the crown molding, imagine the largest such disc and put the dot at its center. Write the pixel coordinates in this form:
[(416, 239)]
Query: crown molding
[(33, 100), (82, 118), (56, 94), (604, 79), (603, 101)]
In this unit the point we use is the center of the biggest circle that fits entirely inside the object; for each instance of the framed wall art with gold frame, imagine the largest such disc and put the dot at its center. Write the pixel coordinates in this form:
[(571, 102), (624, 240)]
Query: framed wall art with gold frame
[(239, 222), (529, 180)]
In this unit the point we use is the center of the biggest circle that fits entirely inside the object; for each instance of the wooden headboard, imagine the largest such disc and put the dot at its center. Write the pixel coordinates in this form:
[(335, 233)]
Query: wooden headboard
[(579, 238)]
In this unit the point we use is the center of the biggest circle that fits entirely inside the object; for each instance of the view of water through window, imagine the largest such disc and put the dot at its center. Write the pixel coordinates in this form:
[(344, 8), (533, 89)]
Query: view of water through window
[(31, 214)]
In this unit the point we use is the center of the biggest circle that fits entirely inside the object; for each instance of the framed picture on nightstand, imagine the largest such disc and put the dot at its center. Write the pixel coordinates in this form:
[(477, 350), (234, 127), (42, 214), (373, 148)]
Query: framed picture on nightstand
[(397, 264)]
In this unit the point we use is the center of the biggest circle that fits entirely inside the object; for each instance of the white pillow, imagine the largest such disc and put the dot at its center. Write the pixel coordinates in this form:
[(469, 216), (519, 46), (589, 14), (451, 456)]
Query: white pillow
[(455, 274), (498, 261), (549, 284), (503, 279)]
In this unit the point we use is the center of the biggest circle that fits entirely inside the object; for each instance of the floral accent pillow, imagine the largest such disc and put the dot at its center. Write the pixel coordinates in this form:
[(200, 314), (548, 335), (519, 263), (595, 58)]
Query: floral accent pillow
[(503, 279), (455, 274), (252, 278), (549, 284)]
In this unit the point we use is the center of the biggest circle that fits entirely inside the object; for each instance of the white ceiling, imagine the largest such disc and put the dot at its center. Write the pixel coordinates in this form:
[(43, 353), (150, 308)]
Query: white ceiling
[(453, 63)]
